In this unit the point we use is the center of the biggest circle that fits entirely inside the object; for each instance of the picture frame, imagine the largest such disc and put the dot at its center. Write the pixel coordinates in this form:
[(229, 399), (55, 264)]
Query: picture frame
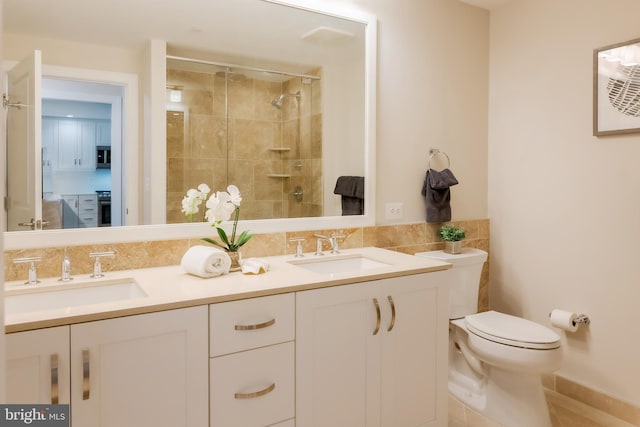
[(616, 88)]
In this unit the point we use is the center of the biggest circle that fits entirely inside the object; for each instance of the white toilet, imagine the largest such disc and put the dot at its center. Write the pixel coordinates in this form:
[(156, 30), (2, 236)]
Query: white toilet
[(495, 359)]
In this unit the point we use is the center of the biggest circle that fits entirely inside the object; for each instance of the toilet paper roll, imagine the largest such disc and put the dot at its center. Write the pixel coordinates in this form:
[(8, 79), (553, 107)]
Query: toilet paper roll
[(564, 320)]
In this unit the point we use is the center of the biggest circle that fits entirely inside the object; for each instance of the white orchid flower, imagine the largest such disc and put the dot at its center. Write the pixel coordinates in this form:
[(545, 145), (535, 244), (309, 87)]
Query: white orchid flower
[(191, 202), (234, 193), (194, 198), (219, 207)]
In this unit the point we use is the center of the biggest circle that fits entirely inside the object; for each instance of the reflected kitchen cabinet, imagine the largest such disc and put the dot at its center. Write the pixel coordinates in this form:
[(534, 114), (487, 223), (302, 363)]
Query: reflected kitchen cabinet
[(80, 211), (76, 144), (49, 144)]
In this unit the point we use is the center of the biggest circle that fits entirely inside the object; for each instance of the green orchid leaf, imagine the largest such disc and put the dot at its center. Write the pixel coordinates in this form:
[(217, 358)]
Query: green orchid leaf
[(243, 238), (223, 236), (213, 242)]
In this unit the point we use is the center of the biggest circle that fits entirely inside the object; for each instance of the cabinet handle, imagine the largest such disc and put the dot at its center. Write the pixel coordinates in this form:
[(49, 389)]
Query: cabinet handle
[(378, 319), (393, 314), (255, 394), (54, 379), (86, 379), (255, 326)]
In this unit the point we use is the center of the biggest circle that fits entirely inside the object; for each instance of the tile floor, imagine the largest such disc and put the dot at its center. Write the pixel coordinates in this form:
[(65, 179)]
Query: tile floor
[(564, 411)]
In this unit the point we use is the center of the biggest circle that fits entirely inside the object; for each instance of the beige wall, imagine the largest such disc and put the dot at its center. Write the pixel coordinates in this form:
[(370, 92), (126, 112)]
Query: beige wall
[(564, 205), (432, 93)]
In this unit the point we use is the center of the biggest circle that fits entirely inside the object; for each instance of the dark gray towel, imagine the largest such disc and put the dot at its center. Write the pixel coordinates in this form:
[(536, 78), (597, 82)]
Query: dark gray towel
[(438, 195), (351, 188)]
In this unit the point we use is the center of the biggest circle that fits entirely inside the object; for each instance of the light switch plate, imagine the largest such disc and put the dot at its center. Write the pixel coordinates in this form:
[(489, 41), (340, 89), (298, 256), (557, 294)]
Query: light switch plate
[(393, 211)]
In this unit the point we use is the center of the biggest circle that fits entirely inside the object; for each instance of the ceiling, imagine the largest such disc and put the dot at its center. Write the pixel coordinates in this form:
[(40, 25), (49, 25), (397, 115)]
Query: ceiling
[(246, 28), (486, 4)]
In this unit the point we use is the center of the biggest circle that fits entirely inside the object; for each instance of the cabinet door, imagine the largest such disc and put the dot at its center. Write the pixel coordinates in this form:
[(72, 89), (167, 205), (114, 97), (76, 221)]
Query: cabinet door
[(337, 362), (38, 366), (103, 132), (373, 354), (76, 144), (145, 370), (69, 134), (70, 211), (414, 351), (49, 143), (87, 146)]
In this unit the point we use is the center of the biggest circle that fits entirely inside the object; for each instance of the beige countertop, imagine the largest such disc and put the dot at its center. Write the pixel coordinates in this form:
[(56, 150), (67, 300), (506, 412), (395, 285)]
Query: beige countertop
[(171, 288)]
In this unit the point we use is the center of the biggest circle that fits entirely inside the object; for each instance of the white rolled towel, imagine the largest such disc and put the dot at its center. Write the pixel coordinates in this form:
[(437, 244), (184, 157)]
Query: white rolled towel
[(205, 261)]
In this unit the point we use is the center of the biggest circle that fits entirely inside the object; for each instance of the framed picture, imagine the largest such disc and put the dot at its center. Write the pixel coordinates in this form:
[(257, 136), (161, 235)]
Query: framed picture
[(616, 88)]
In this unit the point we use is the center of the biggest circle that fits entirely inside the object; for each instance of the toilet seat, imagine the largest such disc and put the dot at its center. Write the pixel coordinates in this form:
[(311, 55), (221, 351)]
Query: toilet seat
[(511, 330)]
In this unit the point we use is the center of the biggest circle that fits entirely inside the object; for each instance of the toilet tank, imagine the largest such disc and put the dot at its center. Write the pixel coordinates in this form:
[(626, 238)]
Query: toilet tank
[(465, 284)]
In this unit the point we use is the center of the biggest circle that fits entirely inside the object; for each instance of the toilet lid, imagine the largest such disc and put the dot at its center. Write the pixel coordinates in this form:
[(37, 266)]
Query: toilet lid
[(511, 330)]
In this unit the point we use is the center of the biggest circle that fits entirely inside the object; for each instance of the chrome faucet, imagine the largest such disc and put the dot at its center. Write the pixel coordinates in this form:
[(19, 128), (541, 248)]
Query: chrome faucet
[(97, 265), (299, 240), (333, 241), (33, 274), (65, 275)]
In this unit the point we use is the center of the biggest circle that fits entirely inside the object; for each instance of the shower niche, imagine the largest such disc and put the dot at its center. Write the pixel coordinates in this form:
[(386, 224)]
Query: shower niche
[(259, 130)]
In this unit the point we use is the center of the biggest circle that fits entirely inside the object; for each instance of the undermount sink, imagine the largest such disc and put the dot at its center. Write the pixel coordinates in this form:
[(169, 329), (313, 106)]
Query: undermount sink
[(340, 264), (70, 295)]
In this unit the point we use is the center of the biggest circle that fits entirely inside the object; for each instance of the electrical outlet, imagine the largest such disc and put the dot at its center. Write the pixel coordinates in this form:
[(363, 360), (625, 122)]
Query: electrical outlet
[(393, 211)]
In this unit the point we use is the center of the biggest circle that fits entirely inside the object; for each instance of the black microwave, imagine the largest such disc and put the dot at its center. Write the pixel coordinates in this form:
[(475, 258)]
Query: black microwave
[(103, 157)]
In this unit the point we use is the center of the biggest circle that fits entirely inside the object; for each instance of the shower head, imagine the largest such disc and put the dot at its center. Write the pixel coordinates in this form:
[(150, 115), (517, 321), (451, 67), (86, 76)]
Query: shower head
[(278, 102)]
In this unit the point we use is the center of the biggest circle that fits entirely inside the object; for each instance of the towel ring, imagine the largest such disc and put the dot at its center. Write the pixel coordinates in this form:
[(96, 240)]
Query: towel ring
[(434, 152)]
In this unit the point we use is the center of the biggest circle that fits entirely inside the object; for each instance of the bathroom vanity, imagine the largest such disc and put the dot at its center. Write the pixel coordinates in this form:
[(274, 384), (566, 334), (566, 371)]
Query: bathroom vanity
[(352, 339)]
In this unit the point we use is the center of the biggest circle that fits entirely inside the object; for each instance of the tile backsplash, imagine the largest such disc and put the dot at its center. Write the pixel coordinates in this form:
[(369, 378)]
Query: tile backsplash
[(406, 238)]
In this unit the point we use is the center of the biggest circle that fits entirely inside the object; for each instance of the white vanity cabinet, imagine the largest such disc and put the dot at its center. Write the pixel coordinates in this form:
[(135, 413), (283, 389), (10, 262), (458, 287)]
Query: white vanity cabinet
[(37, 366), (252, 366), (373, 354), (143, 370)]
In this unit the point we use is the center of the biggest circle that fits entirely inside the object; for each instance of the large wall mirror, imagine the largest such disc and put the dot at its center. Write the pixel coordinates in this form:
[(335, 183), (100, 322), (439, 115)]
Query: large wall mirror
[(276, 97)]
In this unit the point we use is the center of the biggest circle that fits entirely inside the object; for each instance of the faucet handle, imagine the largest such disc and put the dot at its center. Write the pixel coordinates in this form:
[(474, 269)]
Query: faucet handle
[(334, 242), (299, 253), (97, 265), (33, 274)]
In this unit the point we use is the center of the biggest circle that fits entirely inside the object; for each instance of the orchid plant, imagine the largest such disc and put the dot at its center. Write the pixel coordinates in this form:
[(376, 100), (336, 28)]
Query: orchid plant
[(221, 206)]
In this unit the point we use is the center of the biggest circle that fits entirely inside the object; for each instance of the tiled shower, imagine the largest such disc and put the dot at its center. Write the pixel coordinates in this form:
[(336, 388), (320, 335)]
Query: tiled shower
[(258, 130)]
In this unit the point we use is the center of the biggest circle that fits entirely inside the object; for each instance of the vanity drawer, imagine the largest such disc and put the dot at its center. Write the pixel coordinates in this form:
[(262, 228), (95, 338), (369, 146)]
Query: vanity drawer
[(242, 325), (253, 388)]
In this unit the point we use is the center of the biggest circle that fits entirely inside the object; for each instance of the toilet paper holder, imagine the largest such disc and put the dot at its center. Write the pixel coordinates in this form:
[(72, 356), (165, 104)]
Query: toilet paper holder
[(582, 319)]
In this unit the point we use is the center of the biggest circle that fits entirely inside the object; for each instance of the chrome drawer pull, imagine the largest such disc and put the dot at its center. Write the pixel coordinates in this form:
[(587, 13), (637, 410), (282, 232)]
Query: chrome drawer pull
[(393, 313), (378, 319), (54, 379), (86, 379), (256, 326), (255, 394)]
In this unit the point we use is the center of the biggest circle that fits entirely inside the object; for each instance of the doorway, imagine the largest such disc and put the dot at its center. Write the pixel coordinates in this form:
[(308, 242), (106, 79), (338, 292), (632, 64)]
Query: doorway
[(80, 120)]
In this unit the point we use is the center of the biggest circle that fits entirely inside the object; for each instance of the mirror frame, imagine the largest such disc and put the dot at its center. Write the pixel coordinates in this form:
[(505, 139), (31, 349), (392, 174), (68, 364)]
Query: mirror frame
[(72, 237)]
